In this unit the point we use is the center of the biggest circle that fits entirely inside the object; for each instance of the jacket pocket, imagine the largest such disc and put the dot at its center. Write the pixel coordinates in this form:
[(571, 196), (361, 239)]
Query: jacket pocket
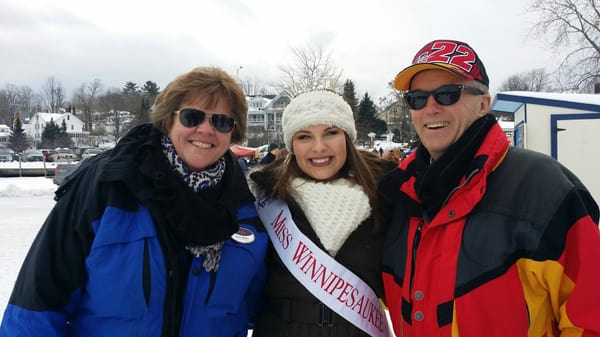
[(118, 269)]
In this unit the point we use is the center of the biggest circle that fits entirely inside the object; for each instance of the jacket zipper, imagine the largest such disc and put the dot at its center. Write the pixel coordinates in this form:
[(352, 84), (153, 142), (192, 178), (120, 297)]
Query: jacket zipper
[(417, 237), (211, 286), (416, 241), (146, 273), (469, 177)]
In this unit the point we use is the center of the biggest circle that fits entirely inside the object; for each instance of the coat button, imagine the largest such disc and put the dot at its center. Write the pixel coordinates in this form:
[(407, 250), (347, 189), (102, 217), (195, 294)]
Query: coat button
[(196, 271), (450, 214), (419, 316), (418, 295)]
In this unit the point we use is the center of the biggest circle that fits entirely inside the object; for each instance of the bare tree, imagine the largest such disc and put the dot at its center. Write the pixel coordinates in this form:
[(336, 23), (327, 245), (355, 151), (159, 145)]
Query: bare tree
[(534, 80), (114, 101), (26, 98), (13, 100), (574, 25), (312, 69), (85, 97), (54, 94), (4, 107), (8, 103), (252, 86)]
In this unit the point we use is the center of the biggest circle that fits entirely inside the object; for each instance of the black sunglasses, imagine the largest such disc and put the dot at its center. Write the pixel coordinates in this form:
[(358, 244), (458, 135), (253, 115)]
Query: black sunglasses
[(445, 95), (191, 118)]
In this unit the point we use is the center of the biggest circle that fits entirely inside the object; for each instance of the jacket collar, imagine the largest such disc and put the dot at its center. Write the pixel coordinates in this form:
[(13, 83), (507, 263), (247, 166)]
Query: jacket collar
[(398, 186), (199, 218)]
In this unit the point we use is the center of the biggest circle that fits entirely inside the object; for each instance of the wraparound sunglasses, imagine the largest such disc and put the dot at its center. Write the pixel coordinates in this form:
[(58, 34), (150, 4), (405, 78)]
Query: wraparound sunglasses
[(191, 118), (444, 95)]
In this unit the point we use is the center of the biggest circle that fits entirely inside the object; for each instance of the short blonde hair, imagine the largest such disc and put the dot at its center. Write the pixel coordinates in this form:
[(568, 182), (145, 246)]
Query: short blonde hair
[(210, 82)]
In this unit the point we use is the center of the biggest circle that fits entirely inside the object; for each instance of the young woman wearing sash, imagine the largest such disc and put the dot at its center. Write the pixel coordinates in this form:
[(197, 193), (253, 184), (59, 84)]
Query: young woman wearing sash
[(320, 206)]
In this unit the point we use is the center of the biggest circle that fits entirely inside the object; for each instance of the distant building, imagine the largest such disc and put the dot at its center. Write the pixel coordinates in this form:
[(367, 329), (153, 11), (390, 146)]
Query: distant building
[(111, 122), (265, 111), (392, 115), (35, 126), (5, 133)]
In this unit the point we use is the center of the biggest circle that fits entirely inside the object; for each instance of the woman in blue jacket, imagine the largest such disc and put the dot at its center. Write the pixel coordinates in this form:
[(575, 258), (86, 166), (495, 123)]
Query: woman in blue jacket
[(157, 237)]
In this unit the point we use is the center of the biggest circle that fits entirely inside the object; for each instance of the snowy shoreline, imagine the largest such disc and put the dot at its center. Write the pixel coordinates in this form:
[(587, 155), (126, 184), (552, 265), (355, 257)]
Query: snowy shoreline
[(26, 187), (24, 205)]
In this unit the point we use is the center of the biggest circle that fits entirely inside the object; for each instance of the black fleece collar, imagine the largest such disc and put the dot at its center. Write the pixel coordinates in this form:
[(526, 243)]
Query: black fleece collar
[(435, 180), (198, 218)]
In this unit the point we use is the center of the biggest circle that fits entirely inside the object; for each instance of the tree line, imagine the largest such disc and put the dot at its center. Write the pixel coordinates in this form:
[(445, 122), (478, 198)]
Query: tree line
[(86, 100)]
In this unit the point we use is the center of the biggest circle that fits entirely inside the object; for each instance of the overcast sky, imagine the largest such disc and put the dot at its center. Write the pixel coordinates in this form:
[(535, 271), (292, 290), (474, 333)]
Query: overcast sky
[(77, 41)]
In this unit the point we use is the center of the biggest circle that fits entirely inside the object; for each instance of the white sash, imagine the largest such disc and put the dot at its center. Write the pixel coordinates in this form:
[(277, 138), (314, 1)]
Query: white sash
[(334, 285)]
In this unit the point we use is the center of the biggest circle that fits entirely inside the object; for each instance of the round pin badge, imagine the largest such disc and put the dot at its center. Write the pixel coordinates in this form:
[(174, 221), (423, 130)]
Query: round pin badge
[(243, 235)]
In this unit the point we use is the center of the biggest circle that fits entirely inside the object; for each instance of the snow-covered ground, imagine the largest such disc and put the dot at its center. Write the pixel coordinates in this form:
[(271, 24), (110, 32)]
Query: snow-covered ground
[(24, 204), (27, 164)]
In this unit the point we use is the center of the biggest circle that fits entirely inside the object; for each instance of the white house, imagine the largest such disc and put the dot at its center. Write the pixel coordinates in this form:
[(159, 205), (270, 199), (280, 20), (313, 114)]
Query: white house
[(266, 111), (35, 126), (4, 135)]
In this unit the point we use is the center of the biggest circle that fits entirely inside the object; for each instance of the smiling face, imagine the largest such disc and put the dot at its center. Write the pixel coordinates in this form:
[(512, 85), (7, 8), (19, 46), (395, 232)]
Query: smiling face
[(440, 126), (320, 151), (201, 146)]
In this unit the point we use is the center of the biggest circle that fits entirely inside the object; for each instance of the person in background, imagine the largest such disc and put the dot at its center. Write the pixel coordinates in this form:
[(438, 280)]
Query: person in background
[(243, 164), (398, 154), (157, 237), (485, 239), (282, 153), (271, 154), (395, 155), (326, 191), (389, 155)]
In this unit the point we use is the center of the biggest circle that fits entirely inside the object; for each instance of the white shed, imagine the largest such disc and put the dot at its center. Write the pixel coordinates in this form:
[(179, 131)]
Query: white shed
[(563, 126)]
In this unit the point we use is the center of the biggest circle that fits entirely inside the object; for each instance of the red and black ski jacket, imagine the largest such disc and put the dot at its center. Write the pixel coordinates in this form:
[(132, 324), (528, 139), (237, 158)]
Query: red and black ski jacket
[(513, 251)]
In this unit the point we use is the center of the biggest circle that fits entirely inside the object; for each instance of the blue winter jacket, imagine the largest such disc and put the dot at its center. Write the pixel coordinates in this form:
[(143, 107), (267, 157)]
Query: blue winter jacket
[(110, 259)]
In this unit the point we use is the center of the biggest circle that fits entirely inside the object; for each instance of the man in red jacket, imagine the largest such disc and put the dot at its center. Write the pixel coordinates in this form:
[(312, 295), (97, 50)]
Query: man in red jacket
[(484, 239)]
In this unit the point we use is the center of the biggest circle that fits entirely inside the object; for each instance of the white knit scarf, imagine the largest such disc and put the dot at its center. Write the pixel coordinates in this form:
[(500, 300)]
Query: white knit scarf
[(334, 209)]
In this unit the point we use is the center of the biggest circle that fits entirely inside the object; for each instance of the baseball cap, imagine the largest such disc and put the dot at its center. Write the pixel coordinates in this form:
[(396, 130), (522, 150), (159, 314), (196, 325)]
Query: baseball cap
[(453, 56)]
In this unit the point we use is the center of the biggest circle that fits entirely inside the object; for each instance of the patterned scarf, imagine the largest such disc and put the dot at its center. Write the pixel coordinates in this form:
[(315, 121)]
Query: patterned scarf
[(198, 181)]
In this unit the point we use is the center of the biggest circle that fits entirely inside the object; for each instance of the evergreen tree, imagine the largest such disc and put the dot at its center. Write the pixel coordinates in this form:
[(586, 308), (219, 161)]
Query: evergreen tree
[(63, 139), (350, 97), (143, 114), (50, 134), (131, 89), (150, 89), (149, 92), (18, 140), (367, 120)]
